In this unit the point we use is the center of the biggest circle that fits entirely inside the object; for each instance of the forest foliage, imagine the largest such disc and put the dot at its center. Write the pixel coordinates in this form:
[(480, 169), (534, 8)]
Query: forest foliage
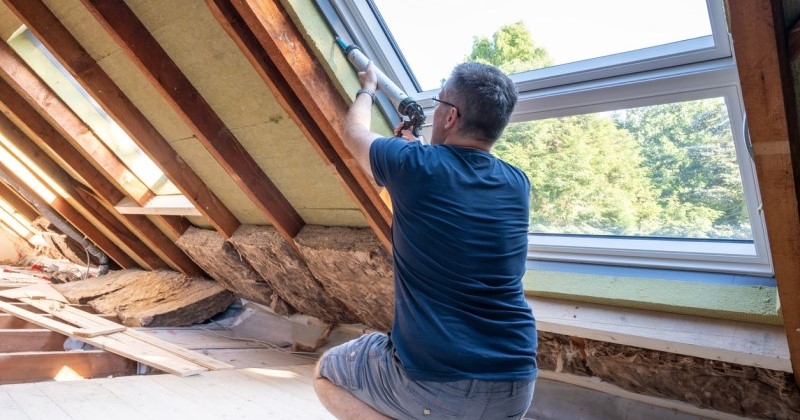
[(667, 170)]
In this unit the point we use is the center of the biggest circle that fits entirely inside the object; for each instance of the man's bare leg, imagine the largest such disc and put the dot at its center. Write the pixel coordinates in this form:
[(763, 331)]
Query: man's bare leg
[(341, 403)]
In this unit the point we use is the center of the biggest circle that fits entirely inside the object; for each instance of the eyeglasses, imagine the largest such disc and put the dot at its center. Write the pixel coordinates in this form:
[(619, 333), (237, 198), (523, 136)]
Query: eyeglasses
[(458, 113)]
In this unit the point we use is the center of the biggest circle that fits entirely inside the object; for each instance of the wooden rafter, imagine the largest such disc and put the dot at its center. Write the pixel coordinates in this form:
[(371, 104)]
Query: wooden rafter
[(79, 145), (49, 30), (759, 41), (278, 52), (61, 207), (150, 243), (19, 204), (36, 92), (138, 44)]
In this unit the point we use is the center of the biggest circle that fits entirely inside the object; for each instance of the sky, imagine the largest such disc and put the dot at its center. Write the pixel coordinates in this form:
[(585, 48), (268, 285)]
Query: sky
[(434, 35)]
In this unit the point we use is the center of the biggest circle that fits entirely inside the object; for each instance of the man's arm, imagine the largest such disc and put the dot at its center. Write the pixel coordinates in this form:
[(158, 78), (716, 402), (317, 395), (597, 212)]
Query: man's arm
[(357, 134)]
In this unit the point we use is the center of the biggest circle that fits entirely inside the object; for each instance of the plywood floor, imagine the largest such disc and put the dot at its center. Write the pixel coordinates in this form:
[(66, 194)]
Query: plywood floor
[(249, 393)]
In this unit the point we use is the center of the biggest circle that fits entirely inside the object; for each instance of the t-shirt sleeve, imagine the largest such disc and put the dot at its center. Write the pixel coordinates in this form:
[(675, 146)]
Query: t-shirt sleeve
[(385, 157)]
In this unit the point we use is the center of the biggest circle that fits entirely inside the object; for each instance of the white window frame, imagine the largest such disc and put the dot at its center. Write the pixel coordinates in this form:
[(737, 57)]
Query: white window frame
[(687, 70)]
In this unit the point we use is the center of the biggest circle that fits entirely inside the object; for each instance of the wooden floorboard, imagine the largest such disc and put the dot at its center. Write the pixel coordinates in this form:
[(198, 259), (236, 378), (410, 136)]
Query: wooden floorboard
[(257, 393)]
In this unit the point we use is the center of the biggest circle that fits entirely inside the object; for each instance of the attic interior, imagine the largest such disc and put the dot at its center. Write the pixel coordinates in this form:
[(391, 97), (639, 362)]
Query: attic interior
[(199, 144)]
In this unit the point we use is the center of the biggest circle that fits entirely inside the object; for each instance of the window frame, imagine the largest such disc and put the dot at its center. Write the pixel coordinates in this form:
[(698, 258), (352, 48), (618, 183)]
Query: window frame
[(685, 70)]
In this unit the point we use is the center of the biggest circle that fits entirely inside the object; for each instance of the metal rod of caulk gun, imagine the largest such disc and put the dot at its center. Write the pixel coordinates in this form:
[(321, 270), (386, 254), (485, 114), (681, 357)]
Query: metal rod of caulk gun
[(402, 102)]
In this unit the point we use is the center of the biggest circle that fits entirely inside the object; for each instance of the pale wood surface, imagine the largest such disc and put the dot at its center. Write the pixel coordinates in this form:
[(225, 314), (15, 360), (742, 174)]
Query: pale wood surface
[(250, 393), (730, 341)]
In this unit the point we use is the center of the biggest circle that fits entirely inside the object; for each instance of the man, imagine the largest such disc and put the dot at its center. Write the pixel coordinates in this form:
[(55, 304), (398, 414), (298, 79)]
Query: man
[(463, 341)]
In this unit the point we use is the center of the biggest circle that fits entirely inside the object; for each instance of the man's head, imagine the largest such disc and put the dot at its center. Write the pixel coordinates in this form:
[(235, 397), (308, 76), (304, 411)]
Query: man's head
[(478, 100)]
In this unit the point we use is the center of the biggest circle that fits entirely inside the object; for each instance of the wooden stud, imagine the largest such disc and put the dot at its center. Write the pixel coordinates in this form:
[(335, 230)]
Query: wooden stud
[(759, 43)]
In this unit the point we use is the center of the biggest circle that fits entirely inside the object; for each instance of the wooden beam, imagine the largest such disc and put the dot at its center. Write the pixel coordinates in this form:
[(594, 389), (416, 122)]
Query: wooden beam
[(45, 366), (759, 43), (22, 206), (19, 340), (78, 221), (175, 205), (39, 20), (149, 242), (280, 55), (137, 43)]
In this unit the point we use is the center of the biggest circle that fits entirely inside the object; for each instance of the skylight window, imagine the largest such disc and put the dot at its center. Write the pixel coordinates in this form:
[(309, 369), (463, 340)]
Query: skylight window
[(433, 42), (642, 97)]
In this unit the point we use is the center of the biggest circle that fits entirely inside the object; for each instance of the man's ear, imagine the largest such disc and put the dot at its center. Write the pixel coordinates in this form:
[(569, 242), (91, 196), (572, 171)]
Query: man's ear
[(451, 119)]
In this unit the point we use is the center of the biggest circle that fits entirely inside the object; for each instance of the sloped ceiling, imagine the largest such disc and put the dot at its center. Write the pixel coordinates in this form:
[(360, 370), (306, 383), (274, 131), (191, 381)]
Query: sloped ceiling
[(202, 104)]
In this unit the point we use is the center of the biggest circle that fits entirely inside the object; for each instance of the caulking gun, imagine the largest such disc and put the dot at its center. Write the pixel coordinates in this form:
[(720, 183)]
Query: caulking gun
[(404, 104)]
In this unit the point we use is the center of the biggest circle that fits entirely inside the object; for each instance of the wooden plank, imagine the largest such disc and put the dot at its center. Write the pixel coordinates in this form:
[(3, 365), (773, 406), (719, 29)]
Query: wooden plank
[(23, 340), (33, 402), (89, 400), (759, 42), (128, 337), (118, 343), (38, 319), (161, 205), (60, 42), (44, 366), (715, 339), (8, 321), (139, 45), (280, 55), (9, 408)]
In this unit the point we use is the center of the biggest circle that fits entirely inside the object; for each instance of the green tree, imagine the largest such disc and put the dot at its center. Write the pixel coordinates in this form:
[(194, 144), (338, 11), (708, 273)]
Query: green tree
[(667, 170), (690, 150), (510, 49)]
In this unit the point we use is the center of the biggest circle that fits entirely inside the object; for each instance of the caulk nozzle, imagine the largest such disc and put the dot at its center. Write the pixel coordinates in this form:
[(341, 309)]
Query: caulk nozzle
[(341, 43)]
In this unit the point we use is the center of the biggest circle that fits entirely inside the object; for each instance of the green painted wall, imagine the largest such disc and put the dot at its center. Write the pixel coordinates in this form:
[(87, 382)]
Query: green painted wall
[(743, 303)]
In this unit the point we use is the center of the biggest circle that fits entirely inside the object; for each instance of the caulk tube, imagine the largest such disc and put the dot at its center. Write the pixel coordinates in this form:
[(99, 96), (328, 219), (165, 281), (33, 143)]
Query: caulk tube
[(404, 104), (360, 61)]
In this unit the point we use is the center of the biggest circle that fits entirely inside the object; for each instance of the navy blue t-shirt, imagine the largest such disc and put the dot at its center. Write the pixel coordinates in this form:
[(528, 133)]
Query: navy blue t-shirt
[(460, 240)]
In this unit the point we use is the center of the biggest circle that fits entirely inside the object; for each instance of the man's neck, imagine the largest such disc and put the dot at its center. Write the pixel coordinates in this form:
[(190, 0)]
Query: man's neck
[(469, 143)]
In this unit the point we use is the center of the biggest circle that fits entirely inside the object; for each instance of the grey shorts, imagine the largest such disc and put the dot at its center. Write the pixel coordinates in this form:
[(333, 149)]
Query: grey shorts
[(368, 368)]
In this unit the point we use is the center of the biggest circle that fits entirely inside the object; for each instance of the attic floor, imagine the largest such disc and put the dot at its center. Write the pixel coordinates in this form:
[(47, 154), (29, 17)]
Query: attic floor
[(268, 382)]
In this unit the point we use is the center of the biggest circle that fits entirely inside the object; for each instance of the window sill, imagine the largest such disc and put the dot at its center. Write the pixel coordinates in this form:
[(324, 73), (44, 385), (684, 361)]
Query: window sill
[(738, 342)]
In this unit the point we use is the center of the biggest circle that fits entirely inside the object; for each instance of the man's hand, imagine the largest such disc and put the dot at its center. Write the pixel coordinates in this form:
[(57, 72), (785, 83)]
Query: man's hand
[(368, 78), (405, 132)]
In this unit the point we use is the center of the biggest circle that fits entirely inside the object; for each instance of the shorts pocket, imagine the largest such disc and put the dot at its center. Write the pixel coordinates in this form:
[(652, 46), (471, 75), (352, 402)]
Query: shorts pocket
[(432, 401)]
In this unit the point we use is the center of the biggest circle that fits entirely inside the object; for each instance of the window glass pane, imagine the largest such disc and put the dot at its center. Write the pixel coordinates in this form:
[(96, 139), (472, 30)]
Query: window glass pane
[(667, 171), (434, 36)]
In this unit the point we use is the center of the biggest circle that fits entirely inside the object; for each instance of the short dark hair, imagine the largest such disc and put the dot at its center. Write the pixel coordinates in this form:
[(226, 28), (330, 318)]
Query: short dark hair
[(485, 97)]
